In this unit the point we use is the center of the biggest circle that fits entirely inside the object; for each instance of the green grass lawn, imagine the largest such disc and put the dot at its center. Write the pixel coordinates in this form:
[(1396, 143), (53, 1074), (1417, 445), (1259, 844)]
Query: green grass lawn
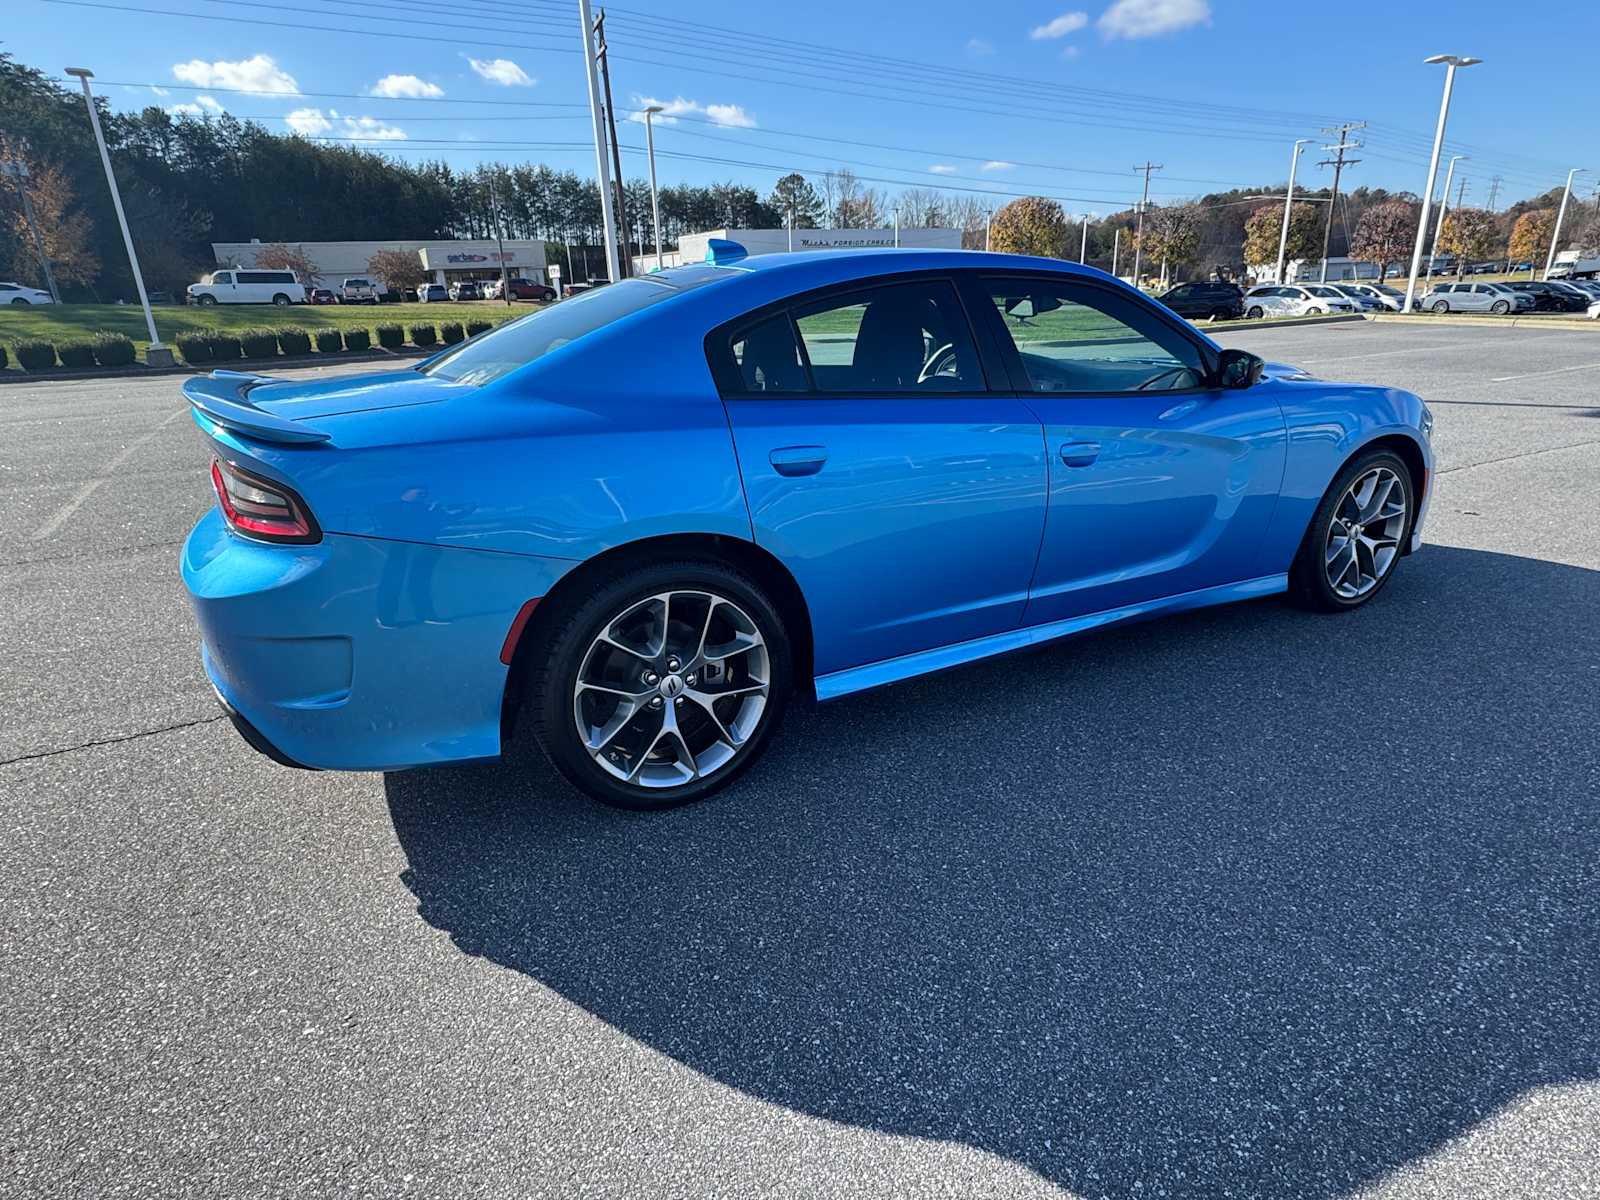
[(69, 322)]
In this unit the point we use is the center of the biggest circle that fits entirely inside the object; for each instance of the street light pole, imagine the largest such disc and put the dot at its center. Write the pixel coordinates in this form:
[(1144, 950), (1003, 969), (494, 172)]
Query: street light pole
[(1451, 61), (1561, 213), (1444, 205), (1288, 202), (602, 169), (1083, 246), (655, 205), (897, 227), (156, 355), (19, 171), (988, 215)]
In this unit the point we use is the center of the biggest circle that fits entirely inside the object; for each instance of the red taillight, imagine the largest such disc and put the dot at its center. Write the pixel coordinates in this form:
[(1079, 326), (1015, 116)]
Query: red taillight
[(260, 508)]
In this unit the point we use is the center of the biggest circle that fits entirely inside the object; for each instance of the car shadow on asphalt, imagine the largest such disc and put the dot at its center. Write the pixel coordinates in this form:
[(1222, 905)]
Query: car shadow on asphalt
[(1243, 902)]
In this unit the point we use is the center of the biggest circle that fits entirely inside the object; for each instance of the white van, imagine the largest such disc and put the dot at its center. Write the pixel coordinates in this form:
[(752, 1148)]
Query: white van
[(248, 287)]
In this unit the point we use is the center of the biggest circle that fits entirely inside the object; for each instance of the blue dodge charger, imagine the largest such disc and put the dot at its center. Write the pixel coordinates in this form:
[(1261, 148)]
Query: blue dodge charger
[(640, 519)]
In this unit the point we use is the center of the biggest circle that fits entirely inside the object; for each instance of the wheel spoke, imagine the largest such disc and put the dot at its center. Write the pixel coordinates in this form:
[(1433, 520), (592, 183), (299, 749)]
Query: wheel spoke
[(1340, 562), (1383, 484), (598, 739), (707, 703), (725, 650)]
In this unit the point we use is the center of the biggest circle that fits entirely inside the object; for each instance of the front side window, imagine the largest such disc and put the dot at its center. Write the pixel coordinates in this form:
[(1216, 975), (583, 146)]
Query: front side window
[(905, 337), (1076, 339), (222, 277)]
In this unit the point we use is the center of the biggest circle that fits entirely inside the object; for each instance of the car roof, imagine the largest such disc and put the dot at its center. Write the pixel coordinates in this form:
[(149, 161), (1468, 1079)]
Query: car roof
[(834, 265)]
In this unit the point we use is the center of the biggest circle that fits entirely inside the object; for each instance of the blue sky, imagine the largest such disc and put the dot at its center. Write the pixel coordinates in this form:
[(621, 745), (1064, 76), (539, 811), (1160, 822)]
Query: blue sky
[(1054, 98)]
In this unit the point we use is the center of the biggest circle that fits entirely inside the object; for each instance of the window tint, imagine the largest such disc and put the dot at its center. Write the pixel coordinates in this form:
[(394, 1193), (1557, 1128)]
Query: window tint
[(1075, 339), (520, 342), (907, 337), (768, 359)]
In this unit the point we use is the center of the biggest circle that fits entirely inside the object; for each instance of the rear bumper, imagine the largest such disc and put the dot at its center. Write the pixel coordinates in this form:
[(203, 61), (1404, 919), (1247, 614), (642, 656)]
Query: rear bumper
[(358, 653)]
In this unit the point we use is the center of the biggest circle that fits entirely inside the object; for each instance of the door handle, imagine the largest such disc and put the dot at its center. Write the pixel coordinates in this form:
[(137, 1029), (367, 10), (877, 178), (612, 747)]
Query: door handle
[(1079, 454), (798, 460)]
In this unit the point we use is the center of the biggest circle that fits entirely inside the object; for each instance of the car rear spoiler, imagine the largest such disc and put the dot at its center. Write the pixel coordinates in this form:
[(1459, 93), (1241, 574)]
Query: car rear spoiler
[(221, 398)]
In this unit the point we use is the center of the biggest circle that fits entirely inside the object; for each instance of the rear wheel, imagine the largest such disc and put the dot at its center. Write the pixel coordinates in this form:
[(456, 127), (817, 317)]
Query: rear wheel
[(662, 686), (281, 300), (1256, 312), (1356, 535), (21, 301), (1220, 314)]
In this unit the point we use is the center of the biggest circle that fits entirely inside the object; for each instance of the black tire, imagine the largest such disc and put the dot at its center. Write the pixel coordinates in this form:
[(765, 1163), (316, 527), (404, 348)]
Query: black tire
[(1502, 307), (1441, 306), (207, 300), (21, 301), (567, 635), (281, 300), (1315, 312), (1308, 582), (1220, 314), (1256, 312)]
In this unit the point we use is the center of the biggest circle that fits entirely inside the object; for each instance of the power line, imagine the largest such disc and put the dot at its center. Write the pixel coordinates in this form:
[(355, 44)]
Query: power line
[(1338, 164)]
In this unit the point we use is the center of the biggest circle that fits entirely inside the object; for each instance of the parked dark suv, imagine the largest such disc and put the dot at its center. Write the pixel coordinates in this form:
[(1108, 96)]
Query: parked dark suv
[(1549, 298), (1219, 301)]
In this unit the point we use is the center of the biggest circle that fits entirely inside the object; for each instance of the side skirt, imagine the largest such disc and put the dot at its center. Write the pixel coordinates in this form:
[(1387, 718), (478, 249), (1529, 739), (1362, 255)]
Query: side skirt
[(907, 666)]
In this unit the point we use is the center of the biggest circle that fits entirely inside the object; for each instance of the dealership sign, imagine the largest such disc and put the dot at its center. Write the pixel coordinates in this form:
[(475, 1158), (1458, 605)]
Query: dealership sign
[(478, 258)]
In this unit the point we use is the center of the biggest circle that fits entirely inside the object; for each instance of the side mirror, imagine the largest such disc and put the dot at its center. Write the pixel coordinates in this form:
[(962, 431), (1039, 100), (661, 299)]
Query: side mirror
[(1239, 369)]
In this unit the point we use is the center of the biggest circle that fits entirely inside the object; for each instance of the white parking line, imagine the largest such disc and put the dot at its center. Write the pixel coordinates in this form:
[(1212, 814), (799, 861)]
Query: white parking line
[(61, 514), (1536, 374)]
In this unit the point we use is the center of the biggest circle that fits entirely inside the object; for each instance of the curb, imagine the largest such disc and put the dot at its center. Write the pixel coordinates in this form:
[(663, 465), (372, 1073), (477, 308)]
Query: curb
[(1489, 320), (63, 374), (1281, 322)]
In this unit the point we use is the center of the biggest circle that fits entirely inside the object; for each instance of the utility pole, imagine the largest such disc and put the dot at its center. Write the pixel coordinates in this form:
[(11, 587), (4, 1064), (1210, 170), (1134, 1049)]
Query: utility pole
[(616, 153), (1338, 163), (602, 171), (1144, 203), (19, 171), (1494, 191), (500, 242)]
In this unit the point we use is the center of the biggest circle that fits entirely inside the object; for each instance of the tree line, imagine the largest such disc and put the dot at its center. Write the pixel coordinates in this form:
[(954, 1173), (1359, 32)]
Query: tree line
[(187, 182)]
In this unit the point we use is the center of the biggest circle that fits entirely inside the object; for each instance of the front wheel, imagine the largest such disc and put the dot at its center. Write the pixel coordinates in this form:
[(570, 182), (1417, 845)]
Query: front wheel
[(1441, 306), (1315, 312), (1256, 312), (206, 300), (1501, 307), (662, 686), (1356, 535)]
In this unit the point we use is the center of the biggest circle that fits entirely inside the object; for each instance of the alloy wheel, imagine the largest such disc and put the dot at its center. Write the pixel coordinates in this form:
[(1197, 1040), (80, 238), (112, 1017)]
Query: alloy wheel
[(1364, 533), (671, 688)]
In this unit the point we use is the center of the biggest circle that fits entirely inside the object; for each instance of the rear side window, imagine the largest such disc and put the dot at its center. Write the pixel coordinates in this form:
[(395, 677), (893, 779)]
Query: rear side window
[(906, 337), (520, 342), (767, 358)]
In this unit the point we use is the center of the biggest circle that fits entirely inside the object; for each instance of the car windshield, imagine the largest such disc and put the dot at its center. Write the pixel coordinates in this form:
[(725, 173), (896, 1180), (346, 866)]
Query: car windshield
[(1324, 291), (517, 343)]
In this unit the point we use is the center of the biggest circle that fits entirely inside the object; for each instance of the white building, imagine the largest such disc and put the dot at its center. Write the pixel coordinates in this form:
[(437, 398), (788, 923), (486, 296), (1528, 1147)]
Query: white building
[(446, 261), (692, 246), (1309, 270)]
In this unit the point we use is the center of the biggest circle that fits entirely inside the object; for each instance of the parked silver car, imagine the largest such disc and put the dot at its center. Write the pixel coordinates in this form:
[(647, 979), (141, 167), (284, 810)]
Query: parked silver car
[(1383, 297), (1475, 297), (1296, 300)]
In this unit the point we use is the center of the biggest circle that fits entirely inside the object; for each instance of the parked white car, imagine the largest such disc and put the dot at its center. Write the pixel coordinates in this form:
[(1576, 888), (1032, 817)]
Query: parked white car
[(1475, 297), (1296, 300), (248, 287), (21, 293)]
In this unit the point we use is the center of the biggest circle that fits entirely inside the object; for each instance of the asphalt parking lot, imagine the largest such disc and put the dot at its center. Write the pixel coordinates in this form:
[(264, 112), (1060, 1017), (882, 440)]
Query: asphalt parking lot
[(1240, 903)]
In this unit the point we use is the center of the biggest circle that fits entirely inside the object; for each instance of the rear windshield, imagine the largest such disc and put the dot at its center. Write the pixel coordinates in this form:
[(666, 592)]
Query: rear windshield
[(518, 343)]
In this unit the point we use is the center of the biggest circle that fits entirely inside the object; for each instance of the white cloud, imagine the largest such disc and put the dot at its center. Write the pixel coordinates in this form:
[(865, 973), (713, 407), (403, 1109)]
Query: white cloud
[(1070, 52), (407, 87), (258, 74), (729, 116), (942, 169), (1148, 18), (313, 122), (502, 71), (979, 48), (203, 106), (371, 129), (1066, 23), (997, 164), (308, 121)]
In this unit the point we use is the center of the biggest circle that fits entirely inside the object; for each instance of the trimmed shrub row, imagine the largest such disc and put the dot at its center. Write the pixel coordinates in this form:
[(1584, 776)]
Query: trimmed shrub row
[(117, 350), (37, 354)]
